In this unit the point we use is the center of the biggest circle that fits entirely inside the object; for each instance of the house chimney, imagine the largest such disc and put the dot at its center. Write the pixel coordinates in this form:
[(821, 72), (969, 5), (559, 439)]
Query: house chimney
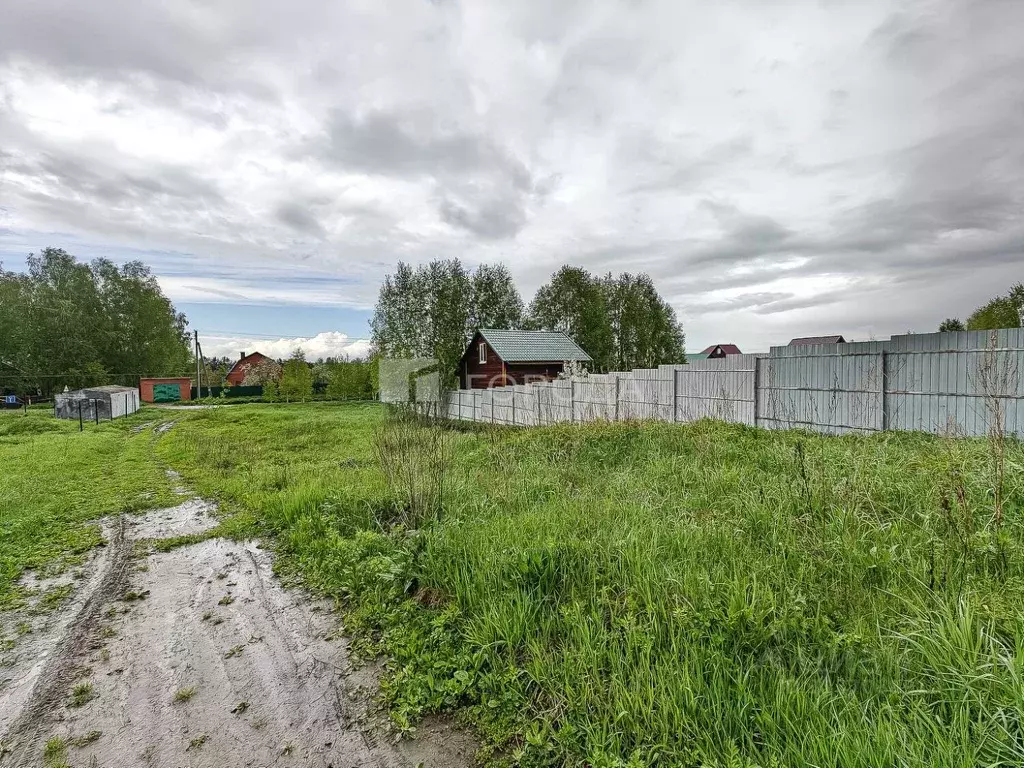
[(241, 356)]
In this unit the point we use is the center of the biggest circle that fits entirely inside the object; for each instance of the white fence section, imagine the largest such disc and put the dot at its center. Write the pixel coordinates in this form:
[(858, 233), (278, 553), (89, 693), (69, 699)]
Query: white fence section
[(941, 382)]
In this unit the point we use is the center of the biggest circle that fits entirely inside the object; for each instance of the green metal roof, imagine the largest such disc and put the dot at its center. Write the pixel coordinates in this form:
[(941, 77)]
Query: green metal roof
[(533, 346)]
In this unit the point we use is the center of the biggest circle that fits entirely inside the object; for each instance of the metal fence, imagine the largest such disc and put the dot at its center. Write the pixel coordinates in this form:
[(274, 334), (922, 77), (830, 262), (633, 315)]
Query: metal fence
[(947, 383)]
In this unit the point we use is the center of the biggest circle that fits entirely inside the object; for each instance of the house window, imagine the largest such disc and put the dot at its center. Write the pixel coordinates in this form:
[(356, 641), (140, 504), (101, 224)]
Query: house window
[(483, 351)]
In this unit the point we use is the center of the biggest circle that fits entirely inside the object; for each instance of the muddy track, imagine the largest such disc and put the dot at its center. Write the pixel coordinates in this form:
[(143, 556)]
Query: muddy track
[(197, 657), (53, 671)]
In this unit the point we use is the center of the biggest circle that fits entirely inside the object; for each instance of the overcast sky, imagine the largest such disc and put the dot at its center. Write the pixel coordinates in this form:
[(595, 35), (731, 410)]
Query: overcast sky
[(779, 168)]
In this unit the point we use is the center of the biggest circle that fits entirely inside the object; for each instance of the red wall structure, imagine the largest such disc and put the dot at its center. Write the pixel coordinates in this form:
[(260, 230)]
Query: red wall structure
[(146, 387), (497, 373), (236, 376)]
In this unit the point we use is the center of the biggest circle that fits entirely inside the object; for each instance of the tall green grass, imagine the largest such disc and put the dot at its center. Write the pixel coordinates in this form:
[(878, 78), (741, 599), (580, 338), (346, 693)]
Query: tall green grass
[(56, 482), (645, 594)]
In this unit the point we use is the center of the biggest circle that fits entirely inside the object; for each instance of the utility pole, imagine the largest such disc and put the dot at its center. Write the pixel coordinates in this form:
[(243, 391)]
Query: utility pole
[(199, 390)]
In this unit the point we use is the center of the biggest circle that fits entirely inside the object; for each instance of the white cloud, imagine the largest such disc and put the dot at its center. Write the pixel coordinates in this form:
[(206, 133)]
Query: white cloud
[(323, 345)]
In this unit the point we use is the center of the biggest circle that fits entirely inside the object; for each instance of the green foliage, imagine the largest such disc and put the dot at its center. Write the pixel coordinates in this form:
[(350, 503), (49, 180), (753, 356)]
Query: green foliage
[(296, 379), (349, 380), (1000, 312), (57, 482), (638, 595), (621, 322), (67, 323), (576, 303), (495, 299), (262, 373), (431, 311), (951, 324), (644, 325), (271, 391)]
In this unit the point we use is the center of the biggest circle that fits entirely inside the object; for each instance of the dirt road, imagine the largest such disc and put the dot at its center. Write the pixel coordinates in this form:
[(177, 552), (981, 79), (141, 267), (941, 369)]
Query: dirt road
[(194, 657)]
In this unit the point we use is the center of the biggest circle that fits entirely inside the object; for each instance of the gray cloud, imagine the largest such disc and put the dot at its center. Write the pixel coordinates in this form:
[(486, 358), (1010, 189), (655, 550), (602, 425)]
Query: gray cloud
[(493, 220), (859, 170), (413, 143), (298, 217)]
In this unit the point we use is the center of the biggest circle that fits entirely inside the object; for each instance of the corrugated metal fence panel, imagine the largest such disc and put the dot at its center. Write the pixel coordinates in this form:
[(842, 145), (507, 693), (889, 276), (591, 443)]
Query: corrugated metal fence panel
[(452, 404), (832, 393), (526, 412), (595, 397), (555, 401), (501, 405), (645, 394), (941, 382), (716, 389), (958, 392)]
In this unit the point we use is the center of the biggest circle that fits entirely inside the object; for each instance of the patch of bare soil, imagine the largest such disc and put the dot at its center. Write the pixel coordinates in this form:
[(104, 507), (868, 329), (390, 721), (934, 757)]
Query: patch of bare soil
[(192, 516), (196, 657)]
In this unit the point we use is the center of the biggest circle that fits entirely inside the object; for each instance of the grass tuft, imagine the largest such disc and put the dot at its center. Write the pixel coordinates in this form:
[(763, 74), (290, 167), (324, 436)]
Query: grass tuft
[(82, 694), (183, 695)]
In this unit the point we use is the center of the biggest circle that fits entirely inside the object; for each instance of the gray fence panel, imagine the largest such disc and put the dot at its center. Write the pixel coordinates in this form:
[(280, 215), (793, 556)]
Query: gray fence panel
[(834, 393), (716, 389), (943, 382), (960, 392)]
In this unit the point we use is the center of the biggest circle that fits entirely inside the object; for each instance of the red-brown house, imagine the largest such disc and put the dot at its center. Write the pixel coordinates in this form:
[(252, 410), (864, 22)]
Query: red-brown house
[(244, 364), (716, 351), (498, 358)]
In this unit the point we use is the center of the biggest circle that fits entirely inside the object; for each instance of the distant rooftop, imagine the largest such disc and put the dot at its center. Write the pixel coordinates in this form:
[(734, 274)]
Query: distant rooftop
[(727, 349), (810, 341), (514, 346)]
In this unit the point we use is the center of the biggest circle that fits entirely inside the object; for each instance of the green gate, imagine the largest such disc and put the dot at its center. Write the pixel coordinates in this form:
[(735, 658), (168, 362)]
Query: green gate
[(166, 393)]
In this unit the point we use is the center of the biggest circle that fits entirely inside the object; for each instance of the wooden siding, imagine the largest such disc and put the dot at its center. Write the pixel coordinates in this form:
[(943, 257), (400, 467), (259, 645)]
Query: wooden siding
[(477, 375), (496, 373)]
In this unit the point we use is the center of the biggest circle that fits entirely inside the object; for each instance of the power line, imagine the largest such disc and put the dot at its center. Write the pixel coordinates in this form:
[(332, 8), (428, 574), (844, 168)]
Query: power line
[(70, 374), (273, 337)]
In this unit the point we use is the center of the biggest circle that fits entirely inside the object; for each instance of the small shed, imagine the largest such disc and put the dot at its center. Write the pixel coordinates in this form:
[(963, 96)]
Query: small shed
[(166, 390), (102, 403), (498, 357)]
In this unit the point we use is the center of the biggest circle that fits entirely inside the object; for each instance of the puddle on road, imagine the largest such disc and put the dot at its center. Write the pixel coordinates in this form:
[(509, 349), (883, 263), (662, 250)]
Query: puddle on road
[(197, 657)]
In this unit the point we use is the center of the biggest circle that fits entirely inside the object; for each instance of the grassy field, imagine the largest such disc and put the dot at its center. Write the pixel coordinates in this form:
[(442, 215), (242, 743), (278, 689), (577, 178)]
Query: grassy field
[(628, 595), (55, 483), (642, 594)]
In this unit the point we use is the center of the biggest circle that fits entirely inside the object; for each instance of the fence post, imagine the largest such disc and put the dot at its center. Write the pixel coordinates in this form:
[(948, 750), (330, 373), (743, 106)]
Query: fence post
[(675, 395), (757, 387), (885, 389), (536, 389), (513, 406), (96, 410), (81, 426), (572, 400), (616, 397)]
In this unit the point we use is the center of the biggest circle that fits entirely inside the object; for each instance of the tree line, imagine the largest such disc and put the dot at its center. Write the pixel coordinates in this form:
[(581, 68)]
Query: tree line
[(431, 311), (66, 323), (299, 379), (326, 379), (999, 312)]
